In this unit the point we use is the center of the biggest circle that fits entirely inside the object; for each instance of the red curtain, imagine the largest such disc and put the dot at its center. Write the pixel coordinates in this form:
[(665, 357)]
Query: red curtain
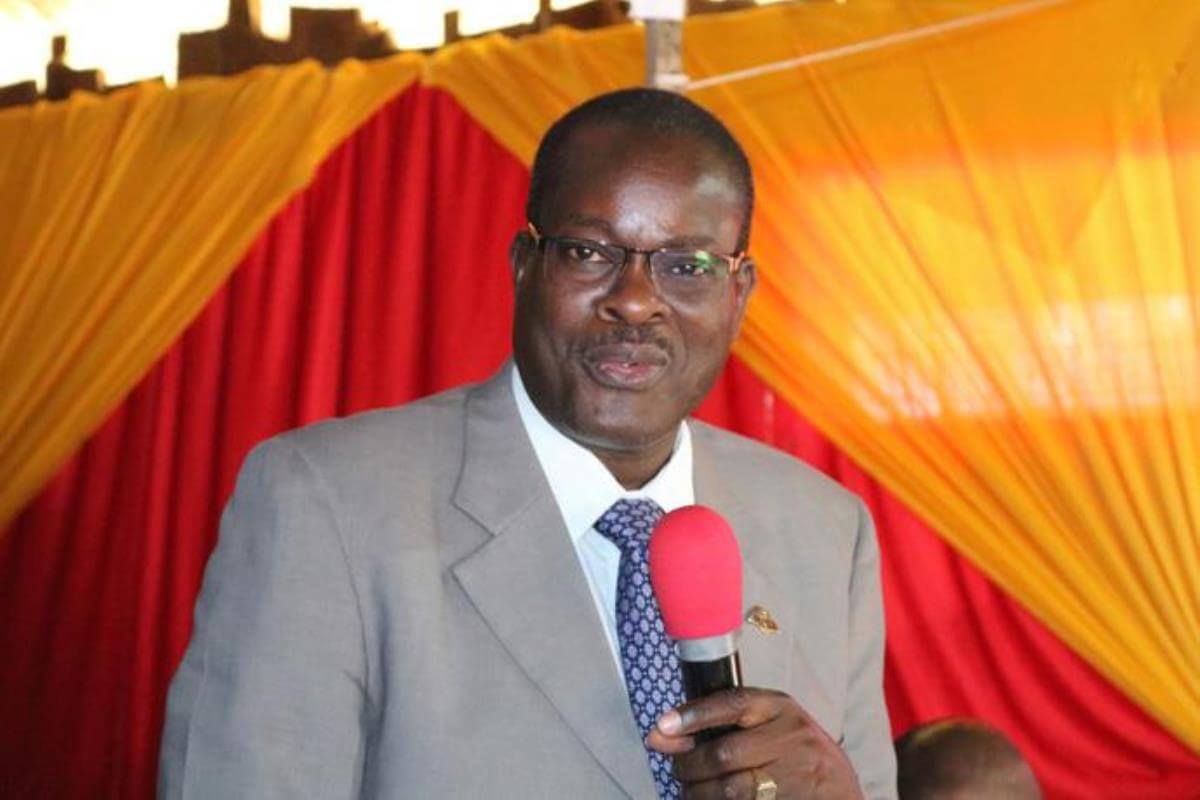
[(383, 281), (958, 646)]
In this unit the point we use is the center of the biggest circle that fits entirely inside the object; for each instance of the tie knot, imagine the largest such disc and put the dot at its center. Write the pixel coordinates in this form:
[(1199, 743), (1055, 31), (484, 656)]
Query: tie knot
[(629, 522)]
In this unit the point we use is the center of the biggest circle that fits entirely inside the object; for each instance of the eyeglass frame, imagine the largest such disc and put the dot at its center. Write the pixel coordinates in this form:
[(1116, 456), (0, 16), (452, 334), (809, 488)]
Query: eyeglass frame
[(733, 262)]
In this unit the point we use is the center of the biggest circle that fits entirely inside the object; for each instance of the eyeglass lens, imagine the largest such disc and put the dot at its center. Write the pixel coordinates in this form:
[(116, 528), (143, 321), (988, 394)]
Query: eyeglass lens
[(682, 273)]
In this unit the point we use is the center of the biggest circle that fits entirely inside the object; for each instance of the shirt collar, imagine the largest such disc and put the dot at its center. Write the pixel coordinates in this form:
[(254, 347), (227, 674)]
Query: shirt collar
[(582, 486)]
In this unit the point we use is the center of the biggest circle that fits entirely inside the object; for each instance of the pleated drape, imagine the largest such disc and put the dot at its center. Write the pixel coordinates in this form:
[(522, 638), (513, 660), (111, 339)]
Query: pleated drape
[(981, 277), (979, 268), (385, 279), (119, 218)]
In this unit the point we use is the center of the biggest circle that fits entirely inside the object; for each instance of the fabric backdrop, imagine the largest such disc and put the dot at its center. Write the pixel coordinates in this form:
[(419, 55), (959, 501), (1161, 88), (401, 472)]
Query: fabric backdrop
[(121, 215), (978, 259), (384, 280)]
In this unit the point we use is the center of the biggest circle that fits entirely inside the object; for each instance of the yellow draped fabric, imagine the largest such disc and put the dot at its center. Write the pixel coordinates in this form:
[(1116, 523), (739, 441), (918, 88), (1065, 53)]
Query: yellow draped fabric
[(979, 261), (981, 277), (119, 218), (979, 265)]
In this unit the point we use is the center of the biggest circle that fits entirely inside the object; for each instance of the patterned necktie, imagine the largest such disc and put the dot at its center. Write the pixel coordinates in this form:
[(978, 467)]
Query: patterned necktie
[(651, 668)]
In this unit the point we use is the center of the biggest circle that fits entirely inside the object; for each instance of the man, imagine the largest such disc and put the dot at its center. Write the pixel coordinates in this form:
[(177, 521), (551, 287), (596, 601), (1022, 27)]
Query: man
[(448, 599), (959, 759)]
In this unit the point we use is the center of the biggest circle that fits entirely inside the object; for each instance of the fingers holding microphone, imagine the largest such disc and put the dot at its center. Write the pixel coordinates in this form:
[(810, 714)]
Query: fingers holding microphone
[(775, 750)]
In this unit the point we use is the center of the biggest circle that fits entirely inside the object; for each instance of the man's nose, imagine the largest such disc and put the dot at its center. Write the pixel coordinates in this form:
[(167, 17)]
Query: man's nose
[(633, 298)]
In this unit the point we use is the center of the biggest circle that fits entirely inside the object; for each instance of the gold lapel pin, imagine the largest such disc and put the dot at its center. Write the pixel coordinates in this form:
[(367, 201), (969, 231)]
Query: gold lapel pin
[(760, 618)]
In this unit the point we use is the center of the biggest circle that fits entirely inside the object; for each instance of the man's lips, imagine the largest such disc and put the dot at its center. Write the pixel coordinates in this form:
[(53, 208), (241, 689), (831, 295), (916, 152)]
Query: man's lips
[(625, 366)]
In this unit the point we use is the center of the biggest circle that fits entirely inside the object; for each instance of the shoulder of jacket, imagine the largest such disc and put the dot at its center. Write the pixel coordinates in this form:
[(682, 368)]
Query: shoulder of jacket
[(366, 435), (768, 471)]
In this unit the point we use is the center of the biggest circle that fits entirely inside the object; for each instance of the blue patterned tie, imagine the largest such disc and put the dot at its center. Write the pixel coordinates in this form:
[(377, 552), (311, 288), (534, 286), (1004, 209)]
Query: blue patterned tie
[(651, 669)]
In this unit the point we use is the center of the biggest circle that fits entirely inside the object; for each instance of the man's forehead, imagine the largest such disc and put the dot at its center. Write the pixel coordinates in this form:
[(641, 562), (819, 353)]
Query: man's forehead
[(620, 143), (648, 200), (637, 166)]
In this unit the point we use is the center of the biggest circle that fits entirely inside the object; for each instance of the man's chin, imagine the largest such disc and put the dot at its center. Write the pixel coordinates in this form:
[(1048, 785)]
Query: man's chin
[(625, 434)]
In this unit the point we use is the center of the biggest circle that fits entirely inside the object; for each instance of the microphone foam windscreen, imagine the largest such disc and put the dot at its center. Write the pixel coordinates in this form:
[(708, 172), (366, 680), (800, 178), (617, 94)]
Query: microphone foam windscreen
[(696, 572)]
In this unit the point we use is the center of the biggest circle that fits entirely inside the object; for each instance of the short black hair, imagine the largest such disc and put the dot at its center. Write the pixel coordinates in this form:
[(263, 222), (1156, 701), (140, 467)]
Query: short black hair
[(961, 757), (650, 111)]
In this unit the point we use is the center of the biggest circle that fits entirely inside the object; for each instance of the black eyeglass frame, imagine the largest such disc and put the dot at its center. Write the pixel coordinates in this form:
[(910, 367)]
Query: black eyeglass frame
[(733, 263)]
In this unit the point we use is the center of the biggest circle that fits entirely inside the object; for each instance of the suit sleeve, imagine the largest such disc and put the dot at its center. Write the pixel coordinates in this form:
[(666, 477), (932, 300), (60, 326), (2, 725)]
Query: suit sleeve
[(269, 699), (868, 740)]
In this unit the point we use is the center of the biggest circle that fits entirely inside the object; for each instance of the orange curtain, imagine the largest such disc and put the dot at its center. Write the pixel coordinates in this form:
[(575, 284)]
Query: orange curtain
[(979, 274), (121, 215)]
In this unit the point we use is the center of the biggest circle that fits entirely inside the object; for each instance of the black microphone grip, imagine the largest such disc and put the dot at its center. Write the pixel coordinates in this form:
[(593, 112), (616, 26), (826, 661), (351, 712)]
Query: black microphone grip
[(702, 678)]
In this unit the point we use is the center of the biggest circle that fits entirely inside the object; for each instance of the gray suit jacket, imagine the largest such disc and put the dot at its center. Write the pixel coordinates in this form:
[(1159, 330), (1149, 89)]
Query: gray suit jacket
[(394, 609)]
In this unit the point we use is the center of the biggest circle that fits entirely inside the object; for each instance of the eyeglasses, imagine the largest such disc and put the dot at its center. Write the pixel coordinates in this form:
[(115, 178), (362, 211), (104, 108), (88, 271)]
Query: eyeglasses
[(677, 273)]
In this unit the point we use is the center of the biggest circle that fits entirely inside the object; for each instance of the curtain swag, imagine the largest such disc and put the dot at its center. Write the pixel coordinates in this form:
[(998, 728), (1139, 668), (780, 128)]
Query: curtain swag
[(979, 258)]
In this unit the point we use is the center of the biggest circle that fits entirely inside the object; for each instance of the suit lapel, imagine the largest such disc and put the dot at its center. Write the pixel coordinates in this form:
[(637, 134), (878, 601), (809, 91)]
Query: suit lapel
[(527, 583)]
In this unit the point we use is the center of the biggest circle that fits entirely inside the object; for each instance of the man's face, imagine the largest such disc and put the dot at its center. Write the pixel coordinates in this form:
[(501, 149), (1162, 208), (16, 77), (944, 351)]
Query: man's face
[(617, 366)]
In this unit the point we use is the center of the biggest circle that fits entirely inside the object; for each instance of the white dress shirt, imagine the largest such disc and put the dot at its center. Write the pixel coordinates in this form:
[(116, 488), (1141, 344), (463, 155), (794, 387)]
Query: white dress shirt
[(584, 489)]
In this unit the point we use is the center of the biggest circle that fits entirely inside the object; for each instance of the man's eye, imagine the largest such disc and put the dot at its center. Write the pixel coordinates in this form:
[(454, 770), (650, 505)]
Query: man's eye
[(693, 265), (583, 253)]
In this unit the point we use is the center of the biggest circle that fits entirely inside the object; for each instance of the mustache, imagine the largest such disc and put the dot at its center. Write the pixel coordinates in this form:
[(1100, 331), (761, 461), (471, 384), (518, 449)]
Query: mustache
[(628, 335)]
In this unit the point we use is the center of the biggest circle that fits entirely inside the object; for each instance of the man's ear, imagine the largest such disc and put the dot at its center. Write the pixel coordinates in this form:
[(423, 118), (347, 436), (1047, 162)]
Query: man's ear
[(519, 253), (744, 282)]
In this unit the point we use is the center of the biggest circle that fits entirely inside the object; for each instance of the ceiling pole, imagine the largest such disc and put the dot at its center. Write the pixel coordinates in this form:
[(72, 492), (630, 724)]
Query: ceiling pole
[(245, 14), (663, 21)]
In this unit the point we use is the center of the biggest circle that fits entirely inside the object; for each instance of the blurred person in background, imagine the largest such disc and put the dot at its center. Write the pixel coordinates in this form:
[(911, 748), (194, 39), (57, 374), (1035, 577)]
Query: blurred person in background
[(957, 759)]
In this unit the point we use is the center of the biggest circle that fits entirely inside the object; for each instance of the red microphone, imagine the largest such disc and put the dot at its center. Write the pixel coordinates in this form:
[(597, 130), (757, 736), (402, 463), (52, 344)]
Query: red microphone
[(696, 573)]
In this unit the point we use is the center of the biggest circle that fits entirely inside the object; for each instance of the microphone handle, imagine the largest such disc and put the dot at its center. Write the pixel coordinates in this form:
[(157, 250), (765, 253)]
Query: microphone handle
[(702, 678)]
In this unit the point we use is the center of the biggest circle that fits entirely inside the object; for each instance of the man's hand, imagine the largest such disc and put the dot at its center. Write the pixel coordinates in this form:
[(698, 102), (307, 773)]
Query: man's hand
[(777, 740)]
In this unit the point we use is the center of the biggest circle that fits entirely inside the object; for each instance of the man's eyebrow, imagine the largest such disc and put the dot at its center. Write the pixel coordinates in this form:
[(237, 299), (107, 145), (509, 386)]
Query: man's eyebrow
[(604, 230), (698, 242)]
